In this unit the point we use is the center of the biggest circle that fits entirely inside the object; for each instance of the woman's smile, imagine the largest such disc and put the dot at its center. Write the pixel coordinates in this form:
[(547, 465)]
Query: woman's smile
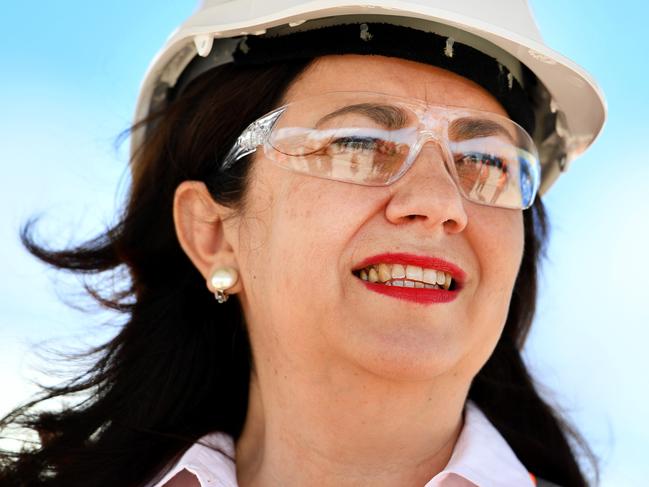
[(411, 277)]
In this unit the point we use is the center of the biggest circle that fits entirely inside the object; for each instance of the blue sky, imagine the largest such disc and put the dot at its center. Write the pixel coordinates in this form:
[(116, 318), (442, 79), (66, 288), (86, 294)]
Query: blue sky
[(71, 73)]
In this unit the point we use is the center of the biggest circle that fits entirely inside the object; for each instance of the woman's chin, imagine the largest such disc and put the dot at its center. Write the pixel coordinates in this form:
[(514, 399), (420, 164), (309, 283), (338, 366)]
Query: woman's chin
[(406, 356)]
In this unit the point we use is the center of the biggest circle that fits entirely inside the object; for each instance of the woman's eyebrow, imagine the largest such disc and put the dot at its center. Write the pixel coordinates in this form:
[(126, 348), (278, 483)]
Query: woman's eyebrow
[(469, 128), (389, 116)]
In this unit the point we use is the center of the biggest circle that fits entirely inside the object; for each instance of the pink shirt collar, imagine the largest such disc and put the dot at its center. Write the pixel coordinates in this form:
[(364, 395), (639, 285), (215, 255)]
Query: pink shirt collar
[(481, 457)]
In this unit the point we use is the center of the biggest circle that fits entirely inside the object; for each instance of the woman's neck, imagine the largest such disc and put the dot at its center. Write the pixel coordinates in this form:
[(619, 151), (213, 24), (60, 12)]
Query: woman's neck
[(348, 429)]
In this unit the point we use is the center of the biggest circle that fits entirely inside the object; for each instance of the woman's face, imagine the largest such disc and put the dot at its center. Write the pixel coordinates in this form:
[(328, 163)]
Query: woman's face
[(301, 236)]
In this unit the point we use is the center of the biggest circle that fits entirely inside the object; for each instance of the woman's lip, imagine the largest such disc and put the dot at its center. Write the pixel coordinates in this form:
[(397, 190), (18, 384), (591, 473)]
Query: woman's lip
[(458, 275), (417, 295)]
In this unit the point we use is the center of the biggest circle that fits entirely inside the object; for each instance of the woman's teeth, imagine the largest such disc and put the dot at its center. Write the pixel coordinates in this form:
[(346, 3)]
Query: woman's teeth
[(408, 276)]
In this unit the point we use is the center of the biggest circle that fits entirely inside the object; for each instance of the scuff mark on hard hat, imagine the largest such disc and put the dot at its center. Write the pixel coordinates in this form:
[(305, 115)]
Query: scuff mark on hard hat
[(365, 33), (510, 80), (448, 49)]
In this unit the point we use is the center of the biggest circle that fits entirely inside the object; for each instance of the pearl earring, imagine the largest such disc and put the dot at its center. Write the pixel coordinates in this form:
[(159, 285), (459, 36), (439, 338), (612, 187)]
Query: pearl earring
[(222, 279)]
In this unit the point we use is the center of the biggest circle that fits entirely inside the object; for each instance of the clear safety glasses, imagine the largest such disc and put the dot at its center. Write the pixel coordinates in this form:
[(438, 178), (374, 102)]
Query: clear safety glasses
[(372, 139)]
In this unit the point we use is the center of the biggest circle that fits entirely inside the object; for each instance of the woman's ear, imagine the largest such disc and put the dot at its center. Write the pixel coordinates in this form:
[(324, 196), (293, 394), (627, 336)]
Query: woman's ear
[(198, 220)]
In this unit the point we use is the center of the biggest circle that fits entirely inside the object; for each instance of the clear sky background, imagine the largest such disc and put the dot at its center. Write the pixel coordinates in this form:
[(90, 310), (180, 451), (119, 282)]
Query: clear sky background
[(70, 73)]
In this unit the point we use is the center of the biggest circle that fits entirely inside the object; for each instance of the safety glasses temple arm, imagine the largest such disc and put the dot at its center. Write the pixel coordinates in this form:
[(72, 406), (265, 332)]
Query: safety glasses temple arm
[(253, 136)]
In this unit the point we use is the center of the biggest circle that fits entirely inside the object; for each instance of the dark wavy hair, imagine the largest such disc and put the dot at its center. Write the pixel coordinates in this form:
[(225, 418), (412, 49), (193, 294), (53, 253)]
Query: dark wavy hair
[(180, 365)]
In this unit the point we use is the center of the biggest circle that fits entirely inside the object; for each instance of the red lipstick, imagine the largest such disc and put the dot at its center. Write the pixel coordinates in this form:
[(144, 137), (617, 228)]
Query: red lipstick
[(418, 295)]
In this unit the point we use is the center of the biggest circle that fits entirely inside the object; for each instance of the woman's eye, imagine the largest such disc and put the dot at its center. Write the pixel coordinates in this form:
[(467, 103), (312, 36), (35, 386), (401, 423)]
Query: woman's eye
[(355, 144), (477, 159)]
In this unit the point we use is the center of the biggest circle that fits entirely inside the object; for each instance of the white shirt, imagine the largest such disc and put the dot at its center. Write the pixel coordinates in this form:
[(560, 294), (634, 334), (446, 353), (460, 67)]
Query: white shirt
[(481, 458)]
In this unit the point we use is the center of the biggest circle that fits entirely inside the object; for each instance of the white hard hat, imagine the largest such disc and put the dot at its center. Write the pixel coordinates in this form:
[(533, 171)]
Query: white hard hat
[(504, 29)]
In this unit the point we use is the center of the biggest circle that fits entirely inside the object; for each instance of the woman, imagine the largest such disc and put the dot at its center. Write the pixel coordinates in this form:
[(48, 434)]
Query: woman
[(359, 190)]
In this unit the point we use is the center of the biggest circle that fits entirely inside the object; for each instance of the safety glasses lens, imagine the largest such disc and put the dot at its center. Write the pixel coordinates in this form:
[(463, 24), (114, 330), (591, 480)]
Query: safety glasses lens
[(372, 141), (362, 155)]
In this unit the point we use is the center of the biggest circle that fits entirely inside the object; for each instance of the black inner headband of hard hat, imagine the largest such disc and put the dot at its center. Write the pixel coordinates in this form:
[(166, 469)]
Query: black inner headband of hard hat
[(387, 40)]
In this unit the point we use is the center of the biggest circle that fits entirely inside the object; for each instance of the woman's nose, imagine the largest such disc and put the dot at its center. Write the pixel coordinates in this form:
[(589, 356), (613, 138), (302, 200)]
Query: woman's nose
[(428, 193)]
